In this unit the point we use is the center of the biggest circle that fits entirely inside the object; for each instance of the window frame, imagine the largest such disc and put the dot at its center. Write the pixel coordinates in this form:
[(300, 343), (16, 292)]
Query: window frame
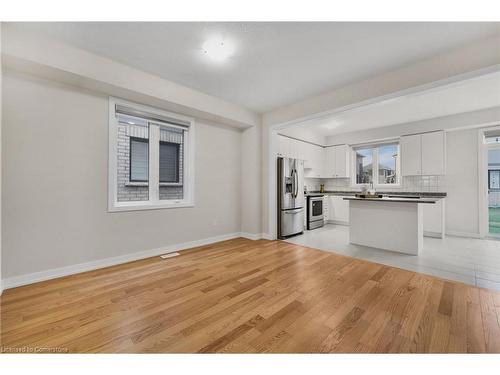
[(375, 163), (188, 181)]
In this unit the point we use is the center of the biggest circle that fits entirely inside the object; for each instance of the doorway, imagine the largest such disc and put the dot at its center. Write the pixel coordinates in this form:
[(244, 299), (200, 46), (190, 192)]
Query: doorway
[(493, 184)]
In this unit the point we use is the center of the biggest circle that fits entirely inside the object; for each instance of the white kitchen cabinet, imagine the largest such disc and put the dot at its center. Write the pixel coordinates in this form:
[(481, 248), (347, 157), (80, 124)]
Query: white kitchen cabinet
[(423, 154), (411, 155), (434, 219), (338, 210), (315, 168), (342, 158), (283, 146), (313, 155), (337, 160), (326, 208), (329, 165), (433, 154), (309, 156)]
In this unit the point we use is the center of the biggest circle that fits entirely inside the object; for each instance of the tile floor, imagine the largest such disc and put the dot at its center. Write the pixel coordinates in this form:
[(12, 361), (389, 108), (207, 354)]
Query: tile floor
[(468, 260)]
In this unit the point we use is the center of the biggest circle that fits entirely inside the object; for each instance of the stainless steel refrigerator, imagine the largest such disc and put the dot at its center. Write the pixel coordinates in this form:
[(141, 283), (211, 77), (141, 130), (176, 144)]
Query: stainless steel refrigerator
[(290, 197)]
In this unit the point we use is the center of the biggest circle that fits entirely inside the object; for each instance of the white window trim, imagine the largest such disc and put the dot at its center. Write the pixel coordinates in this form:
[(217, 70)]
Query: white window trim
[(154, 201), (375, 164)]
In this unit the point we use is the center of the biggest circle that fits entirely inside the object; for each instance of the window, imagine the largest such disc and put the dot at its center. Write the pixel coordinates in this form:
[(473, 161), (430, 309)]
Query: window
[(494, 179), (150, 158), (377, 164)]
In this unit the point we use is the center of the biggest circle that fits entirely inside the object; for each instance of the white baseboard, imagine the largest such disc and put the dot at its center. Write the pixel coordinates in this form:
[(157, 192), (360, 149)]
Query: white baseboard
[(267, 236), (252, 236), (433, 234), (31, 278), (463, 234), (256, 236), (338, 222)]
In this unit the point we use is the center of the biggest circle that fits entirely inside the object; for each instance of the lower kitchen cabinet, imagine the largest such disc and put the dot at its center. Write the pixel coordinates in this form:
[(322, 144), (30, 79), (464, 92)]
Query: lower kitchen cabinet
[(326, 208), (434, 219), (338, 210)]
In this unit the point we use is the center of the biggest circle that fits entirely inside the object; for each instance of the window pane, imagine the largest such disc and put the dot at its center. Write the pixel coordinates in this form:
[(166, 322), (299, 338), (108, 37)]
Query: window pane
[(132, 159), (171, 163), (139, 159), (364, 166), (387, 162)]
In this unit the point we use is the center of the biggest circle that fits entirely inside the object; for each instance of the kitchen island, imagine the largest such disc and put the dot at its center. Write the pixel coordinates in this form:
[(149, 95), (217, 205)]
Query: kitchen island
[(394, 224)]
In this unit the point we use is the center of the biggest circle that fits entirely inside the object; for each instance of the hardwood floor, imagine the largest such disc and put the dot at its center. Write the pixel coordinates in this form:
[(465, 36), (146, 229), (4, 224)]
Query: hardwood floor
[(250, 296)]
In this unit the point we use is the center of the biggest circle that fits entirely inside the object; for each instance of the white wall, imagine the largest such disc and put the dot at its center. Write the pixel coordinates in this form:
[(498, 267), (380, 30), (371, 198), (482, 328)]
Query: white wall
[(462, 203), (55, 183), (251, 188)]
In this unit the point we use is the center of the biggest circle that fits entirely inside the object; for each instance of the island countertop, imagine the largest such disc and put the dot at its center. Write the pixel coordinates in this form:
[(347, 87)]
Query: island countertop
[(421, 194), (395, 200)]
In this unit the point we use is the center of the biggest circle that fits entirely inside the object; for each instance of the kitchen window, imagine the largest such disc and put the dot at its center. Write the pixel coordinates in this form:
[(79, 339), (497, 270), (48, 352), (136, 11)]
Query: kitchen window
[(378, 164), (150, 158)]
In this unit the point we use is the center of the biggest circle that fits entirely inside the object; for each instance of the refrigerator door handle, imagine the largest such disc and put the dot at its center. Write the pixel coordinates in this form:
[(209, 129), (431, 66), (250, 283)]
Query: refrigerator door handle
[(293, 182), (296, 183)]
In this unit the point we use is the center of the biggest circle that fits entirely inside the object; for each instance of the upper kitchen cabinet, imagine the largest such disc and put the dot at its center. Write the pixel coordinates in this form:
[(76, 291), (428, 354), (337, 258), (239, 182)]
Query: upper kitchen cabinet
[(423, 154), (342, 158), (312, 154), (284, 148), (291, 148), (337, 161), (314, 165), (433, 154), (329, 166), (411, 155)]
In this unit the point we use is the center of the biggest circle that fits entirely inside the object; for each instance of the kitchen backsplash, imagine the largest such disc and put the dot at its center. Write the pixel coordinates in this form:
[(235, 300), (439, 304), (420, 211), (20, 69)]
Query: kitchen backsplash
[(410, 183)]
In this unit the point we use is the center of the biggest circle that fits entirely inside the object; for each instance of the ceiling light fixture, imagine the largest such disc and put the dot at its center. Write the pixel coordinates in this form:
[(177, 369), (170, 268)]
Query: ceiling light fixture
[(218, 49)]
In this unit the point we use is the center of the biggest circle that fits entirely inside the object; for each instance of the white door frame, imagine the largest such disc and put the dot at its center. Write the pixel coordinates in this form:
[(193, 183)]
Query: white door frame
[(482, 175)]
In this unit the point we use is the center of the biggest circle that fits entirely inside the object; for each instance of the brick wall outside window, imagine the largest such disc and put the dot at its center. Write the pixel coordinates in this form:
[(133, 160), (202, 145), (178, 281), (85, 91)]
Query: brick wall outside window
[(126, 190)]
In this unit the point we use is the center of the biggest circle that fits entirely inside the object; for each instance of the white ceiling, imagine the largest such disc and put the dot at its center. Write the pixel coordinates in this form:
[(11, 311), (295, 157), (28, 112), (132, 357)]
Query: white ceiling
[(275, 63), (473, 94)]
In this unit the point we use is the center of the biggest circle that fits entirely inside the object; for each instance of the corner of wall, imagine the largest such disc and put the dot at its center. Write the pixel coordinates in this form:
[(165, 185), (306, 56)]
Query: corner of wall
[(251, 181), (1, 287)]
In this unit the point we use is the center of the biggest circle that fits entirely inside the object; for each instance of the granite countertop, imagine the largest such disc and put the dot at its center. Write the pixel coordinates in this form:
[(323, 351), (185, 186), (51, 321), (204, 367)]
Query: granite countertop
[(422, 194), (395, 200)]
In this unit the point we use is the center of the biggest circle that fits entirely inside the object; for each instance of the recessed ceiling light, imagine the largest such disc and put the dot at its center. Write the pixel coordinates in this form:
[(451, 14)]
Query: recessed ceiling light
[(218, 49), (332, 124)]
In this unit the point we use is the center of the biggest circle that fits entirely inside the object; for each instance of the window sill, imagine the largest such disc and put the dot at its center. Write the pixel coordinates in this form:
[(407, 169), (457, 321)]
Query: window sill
[(143, 205), (145, 184)]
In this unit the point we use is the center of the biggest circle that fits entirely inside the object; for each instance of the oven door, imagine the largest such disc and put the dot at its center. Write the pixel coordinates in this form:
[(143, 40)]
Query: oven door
[(315, 209)]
